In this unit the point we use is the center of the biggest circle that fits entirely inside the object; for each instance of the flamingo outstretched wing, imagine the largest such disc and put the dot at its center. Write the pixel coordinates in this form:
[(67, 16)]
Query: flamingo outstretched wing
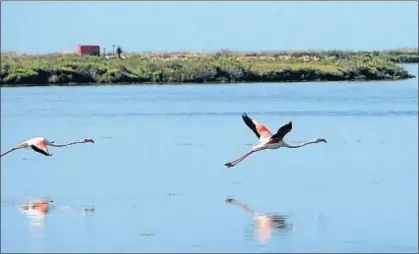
[(260, 130), (282, 131), (39, 145)]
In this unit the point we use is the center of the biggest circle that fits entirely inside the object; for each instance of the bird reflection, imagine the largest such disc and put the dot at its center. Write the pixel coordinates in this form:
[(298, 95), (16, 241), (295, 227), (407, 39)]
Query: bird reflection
[(265, 223), (36, 207), (89, 223), (35, 212), (88, 210)]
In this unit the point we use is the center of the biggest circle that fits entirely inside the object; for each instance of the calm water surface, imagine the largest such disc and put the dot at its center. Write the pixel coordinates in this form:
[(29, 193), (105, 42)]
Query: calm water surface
[(156, 177)]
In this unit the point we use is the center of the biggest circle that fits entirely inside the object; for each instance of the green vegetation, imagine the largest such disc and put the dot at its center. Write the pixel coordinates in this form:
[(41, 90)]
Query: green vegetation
[(220, 67)]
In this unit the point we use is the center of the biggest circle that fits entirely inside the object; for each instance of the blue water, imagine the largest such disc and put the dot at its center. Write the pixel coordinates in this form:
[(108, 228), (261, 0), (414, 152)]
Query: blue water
[(157, 168)]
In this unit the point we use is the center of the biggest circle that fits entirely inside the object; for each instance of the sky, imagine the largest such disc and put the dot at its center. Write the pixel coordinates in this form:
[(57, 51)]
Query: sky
[(48, 27)]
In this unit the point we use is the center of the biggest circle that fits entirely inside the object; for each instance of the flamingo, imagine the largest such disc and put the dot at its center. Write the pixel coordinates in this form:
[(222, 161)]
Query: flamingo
[(39, 144), (267, 140)]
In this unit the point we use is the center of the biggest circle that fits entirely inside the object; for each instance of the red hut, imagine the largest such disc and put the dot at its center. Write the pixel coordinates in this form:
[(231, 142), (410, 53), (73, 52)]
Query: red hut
[(88, 50)]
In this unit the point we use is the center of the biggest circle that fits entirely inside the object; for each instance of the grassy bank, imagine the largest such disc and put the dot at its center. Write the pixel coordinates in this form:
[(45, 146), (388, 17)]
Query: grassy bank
[(220, 67)]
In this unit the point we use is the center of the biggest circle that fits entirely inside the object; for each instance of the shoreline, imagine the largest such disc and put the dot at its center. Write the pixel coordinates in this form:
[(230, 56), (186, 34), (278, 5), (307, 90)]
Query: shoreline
[(194, 68), (330, 82)]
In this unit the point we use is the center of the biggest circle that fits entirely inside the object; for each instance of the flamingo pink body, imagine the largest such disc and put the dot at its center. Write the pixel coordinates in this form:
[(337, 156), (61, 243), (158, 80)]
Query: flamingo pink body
[(40, 145), (267, 140)]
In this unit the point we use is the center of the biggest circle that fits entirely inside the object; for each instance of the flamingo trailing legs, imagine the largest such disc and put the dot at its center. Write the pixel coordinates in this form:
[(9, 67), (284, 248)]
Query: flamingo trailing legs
[(39, 144), (267, 140)]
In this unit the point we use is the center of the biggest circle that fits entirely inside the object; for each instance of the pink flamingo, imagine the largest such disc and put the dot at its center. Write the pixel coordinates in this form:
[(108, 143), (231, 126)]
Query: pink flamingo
[(39, 144), (267, 140)]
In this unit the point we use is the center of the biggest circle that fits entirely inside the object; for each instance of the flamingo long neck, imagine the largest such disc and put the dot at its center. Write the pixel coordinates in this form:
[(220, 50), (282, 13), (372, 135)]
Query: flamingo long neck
[(245, 208), (68, 144), (300, 145)]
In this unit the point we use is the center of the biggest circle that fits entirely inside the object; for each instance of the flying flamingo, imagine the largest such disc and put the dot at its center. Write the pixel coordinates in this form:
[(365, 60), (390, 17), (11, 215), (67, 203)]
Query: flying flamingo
[(267, 140), (39, 144)]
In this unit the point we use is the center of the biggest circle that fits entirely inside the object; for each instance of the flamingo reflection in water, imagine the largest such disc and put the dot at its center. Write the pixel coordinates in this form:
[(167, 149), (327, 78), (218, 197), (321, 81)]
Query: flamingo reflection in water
[(264, 222), (40, 207), (35, 211)]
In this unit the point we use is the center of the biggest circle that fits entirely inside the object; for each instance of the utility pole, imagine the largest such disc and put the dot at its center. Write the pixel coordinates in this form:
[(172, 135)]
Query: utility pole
[(113, 49), (104, 52)]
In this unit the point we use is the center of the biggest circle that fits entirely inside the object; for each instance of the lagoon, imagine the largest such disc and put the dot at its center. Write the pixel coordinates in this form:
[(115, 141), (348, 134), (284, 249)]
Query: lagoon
[(156, 177)]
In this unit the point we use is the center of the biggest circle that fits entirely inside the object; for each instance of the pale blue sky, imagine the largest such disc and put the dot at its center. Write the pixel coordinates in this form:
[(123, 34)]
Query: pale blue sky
[(40, 27)]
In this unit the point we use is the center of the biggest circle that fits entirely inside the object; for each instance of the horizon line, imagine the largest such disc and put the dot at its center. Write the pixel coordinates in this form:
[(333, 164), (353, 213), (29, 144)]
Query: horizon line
[(218, 50)]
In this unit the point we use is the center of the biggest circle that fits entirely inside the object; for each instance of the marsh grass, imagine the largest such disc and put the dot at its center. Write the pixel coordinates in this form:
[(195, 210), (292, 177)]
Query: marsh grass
[(219, 67)]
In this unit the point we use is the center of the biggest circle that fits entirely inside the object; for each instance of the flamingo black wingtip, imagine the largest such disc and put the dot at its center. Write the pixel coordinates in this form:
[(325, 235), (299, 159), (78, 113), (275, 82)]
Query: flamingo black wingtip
[(290, 125)]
